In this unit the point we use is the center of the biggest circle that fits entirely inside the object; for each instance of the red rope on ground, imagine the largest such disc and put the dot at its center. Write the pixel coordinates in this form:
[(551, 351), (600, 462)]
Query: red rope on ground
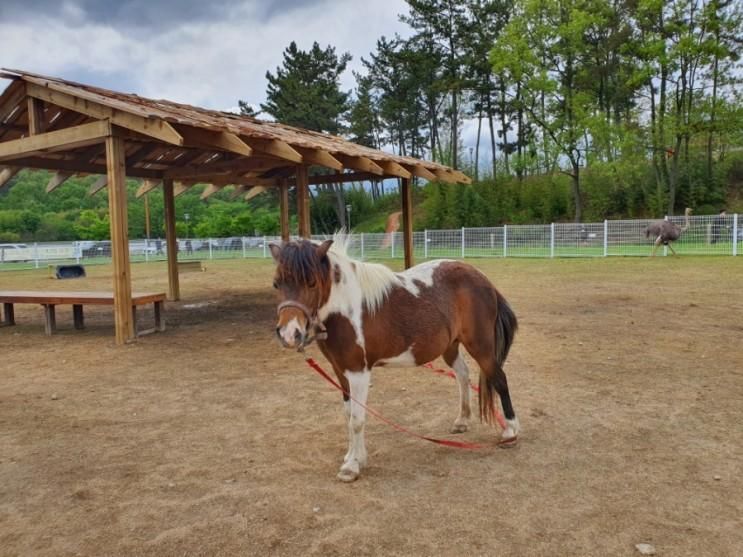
[(446, 442), (498, 416)]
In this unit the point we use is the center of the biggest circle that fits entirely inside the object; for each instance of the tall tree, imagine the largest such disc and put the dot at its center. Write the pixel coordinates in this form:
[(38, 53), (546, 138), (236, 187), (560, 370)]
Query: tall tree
[(305, 90)]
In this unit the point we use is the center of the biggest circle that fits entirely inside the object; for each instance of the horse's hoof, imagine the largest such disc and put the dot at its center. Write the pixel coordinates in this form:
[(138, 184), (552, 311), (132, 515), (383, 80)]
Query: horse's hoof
[(347, 476), (458, 428), (508, 443)]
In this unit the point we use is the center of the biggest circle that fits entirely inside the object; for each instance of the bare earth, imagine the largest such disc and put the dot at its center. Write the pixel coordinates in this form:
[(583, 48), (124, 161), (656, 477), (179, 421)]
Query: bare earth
[(627, 375)]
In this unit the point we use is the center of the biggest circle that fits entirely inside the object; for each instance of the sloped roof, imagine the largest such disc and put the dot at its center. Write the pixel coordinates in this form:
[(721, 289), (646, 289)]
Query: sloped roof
[(275, 148)]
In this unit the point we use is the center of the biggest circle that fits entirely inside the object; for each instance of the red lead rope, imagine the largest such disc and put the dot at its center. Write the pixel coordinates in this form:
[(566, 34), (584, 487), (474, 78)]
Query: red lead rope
[(446, 442)]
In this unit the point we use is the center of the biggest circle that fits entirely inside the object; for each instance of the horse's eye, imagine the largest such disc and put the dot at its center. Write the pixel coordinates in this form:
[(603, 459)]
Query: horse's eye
[(276, 285)]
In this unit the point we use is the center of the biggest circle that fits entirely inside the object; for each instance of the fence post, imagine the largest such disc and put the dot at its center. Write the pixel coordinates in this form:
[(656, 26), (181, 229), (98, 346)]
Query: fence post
[(463, 242), (606, 238), (735, 234), (505, 240), (244, 252), (362, 246), (552, 239), (265, 247), (665, 247), (146, 250), (76, 247), (425, 244), (36, 254), (210, 248)]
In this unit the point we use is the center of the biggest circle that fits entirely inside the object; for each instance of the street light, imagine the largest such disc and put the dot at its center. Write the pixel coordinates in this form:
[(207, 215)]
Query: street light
[(348, 218), (187, 216)]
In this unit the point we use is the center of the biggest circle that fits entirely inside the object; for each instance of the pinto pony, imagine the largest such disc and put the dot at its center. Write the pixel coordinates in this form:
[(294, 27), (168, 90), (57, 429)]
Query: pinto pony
[(365, 315)]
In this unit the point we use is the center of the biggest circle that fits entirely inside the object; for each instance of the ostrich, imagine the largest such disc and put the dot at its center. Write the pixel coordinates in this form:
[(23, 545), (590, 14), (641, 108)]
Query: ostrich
[(666, 232)]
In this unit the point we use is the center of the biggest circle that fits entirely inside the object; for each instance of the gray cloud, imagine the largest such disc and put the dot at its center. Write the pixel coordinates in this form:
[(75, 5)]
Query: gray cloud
[(209, 53), (149, 14)]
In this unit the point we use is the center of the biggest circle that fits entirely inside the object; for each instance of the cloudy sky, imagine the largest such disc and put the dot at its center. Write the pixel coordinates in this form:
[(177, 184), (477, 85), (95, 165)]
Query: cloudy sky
[(209, 53), (205, 52)]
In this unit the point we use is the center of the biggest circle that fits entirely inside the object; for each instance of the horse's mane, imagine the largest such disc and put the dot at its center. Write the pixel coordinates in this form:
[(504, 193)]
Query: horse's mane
[(298, 264), (375, 280)]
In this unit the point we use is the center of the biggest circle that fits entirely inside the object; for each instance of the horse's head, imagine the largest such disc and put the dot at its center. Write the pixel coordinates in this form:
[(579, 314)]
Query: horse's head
[(303, 282)]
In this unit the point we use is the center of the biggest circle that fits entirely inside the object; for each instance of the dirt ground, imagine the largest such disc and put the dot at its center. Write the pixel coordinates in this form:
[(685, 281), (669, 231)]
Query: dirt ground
[(627, 376)]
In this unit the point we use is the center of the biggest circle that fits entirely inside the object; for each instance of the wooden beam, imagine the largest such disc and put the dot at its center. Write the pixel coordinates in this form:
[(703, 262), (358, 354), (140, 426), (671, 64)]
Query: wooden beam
[(174, 289), (57, 179), (347, 177), (7, 173), (153, 127), (422, 172), (147, 186), (35, 116), (181, 187), (221, 141), (68, 138), (275, 148), (252, 192), (284, 210), (394, 169), (80, 167), (360, 163), (239, 190), (319, 158), (12, 99), (122, 279), (98, 185), (210, 190), (303, 202), (407, 221)]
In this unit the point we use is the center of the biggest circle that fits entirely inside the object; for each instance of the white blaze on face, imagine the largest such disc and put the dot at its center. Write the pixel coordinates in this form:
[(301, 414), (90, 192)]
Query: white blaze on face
[(288, 331)]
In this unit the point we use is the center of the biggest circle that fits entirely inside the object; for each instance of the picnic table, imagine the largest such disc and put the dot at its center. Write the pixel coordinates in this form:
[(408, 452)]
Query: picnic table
[(51, 299)]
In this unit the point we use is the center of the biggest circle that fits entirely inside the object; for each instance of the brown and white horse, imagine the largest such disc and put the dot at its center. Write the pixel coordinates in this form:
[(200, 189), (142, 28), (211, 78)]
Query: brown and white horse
[(365, 315)]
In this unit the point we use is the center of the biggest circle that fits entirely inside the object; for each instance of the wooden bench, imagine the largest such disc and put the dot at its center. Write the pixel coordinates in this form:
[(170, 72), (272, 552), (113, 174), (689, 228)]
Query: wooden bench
[(185, 266), (77, 299)]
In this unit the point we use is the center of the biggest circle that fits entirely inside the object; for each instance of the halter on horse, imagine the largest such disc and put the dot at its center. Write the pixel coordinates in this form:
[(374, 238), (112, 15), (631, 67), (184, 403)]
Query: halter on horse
[(363, 315)]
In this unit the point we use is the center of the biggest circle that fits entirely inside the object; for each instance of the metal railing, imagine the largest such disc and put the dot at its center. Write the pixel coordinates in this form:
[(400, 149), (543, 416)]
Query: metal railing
[(705, 235)]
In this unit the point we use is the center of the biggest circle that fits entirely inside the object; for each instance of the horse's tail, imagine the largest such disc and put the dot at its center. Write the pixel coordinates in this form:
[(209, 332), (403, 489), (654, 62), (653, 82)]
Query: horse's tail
[(506, 325)]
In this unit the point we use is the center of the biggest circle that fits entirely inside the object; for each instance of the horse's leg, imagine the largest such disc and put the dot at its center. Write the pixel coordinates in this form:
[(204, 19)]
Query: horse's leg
[(356, 457), (495, 380), (454, 359)]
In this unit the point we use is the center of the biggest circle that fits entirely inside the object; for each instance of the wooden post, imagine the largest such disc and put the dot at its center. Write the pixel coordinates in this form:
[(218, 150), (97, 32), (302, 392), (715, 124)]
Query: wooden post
[(407, 221), (174, 288), (35, 116), (284, 210), (147, 216), (117, 209), (303, 201)]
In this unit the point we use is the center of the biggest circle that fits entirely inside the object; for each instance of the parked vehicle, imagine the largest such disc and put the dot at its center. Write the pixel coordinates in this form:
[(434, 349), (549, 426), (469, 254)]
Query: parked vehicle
[(15, 252)]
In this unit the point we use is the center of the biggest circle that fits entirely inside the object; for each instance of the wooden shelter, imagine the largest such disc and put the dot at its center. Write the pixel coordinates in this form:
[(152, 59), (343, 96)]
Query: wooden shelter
[(69, 128)]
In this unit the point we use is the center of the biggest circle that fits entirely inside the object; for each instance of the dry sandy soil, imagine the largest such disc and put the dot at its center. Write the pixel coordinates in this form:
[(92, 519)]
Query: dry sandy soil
[(627, 375)]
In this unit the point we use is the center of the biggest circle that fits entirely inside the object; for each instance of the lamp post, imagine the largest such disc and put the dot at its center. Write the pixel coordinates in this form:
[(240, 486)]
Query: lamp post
[(348, 216), (187, 217)]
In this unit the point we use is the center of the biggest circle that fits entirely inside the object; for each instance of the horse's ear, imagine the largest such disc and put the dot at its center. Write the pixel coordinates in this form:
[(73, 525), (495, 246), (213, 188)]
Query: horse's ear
[(275, 251), (322, 249)]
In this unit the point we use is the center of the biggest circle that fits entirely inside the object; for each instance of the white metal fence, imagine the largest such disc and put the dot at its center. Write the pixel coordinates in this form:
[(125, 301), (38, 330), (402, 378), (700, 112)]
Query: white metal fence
[(706, 235)]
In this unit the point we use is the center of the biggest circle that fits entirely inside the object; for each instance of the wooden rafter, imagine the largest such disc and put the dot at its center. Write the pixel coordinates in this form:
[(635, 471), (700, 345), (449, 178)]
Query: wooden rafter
[(79, 166), (147, 186), (274, 148), (219, 140), (157, 128), (238, 191), (10, 101), (320, 158), (7, 173), (98, 185), (210, 190), (255, 190), (422, 172), (394, 169), (69, 138), (57, 179), (36, 123), (179, 188), (360, 163)]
